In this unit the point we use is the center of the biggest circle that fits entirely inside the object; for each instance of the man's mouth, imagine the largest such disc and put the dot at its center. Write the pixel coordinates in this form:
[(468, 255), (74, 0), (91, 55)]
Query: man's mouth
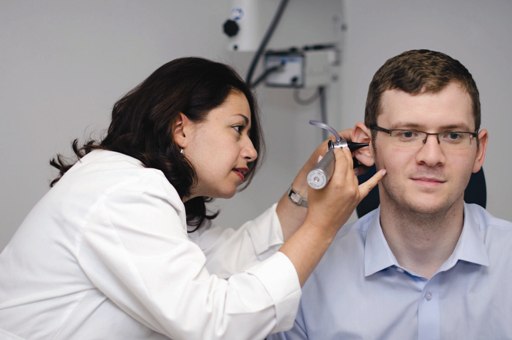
[(428, 180)]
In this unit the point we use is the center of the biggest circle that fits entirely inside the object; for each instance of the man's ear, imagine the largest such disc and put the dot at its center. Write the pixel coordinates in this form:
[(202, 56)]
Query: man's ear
[(483, 137), (180, 130), (362, 134)]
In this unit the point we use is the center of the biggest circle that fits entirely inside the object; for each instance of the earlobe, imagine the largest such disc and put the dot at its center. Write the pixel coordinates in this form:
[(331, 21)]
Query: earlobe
[(361, 134)]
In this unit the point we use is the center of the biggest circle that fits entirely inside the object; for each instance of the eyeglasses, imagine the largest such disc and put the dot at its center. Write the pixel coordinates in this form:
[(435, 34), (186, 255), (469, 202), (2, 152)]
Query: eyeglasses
[(451, 140)]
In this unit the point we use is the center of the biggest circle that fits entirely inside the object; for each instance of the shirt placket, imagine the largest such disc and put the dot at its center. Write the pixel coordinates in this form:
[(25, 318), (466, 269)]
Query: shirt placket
[(429, 321)]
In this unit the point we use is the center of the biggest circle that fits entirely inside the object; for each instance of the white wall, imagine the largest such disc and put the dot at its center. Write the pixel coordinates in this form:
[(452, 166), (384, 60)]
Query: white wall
[(63, 64)]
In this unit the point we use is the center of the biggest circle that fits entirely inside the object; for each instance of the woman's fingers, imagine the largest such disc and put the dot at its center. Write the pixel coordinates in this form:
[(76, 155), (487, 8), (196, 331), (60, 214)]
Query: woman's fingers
[(367, 186), (350, 178)]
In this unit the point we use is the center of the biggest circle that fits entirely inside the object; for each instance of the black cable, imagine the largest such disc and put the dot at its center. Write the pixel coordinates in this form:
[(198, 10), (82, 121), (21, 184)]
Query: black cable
[(323, 110), (264, 41), (266, 73)]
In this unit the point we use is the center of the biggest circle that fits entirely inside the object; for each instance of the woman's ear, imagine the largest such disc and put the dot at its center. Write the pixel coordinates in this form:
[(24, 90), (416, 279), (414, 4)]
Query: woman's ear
[(179, 130), (362, 134)]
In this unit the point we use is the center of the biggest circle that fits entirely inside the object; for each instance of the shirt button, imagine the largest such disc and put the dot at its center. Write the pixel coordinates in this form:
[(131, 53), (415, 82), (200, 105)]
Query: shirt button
[(428, 296)]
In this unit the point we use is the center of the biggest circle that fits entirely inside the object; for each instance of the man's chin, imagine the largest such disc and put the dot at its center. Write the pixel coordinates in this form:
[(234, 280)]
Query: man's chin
[(427, 206)]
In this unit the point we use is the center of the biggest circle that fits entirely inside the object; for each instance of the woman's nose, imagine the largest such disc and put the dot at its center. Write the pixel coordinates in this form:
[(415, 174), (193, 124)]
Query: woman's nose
[(249, 152)]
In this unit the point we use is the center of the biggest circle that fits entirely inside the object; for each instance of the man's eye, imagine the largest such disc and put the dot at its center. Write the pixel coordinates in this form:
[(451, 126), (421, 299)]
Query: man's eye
[(407, 134), (453, 135)]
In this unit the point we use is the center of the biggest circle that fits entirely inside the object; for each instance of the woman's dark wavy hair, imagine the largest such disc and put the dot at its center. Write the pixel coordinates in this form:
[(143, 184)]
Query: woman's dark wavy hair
[(142, 122)]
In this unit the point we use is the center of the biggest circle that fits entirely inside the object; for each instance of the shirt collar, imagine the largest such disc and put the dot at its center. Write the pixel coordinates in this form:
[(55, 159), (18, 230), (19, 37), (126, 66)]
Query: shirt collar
[(470, 247), (378, 255)]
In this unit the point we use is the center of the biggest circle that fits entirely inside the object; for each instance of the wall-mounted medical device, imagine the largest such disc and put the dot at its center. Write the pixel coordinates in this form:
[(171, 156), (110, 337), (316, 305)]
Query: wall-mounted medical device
[(303, 23), (299, 42), (311, 66), (295, 54)]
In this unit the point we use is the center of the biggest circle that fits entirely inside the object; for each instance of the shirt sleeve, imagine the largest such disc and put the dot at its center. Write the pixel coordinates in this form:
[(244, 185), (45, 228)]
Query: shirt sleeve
[(231, 250), (298, 331), (135, 249)]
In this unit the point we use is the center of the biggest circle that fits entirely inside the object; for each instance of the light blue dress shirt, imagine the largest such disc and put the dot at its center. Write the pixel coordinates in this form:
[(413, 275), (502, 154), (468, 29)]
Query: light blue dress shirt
[(359, 291)]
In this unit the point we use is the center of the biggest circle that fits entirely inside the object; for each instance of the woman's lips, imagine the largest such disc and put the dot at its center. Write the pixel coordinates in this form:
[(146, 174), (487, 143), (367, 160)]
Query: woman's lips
[(241, 172)]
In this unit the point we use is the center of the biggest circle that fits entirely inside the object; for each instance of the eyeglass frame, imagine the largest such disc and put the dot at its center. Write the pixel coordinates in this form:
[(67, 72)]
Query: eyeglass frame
[(474, 134)]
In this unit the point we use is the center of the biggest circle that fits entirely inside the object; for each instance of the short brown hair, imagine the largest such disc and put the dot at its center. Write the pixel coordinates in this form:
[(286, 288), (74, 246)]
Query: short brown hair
[(419, 71)]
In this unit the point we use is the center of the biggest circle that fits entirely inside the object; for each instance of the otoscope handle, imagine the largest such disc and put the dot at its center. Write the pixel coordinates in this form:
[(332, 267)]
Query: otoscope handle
[(319, 176), (322, 173)]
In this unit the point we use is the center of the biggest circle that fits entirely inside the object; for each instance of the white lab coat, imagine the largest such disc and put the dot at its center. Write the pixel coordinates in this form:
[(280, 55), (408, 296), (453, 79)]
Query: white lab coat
[(105, 254)]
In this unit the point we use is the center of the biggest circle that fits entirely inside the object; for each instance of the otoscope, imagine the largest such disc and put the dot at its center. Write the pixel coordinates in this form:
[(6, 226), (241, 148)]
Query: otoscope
[(320, 175)]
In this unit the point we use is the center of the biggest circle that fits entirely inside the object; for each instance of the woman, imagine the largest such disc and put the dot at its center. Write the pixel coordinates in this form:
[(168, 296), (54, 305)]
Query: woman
[(106, 253)]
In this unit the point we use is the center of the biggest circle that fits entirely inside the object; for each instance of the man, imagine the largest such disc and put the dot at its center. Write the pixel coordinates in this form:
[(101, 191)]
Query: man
[(425, 265)]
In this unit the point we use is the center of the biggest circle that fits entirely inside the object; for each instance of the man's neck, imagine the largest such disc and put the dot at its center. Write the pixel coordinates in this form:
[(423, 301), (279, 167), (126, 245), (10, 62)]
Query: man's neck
[(422, 242)]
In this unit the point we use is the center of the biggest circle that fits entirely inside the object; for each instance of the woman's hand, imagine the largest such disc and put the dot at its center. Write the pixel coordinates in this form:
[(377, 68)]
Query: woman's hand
[(290, 215), (309, 231), (333, 205)]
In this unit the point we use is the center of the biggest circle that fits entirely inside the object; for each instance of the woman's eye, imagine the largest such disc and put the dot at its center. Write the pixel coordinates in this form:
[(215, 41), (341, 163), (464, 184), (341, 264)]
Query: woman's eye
[(238, 128)]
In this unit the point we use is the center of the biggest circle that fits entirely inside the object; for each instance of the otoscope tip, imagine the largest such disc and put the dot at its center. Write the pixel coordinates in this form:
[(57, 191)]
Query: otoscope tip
[(354, 146)]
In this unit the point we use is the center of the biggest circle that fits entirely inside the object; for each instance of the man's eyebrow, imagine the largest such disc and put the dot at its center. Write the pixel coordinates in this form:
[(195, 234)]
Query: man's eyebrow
[(416, 126), (405, 125)]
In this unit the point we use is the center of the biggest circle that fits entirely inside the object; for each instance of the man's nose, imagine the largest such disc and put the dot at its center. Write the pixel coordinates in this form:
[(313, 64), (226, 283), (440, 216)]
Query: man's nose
[(431, 151)]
